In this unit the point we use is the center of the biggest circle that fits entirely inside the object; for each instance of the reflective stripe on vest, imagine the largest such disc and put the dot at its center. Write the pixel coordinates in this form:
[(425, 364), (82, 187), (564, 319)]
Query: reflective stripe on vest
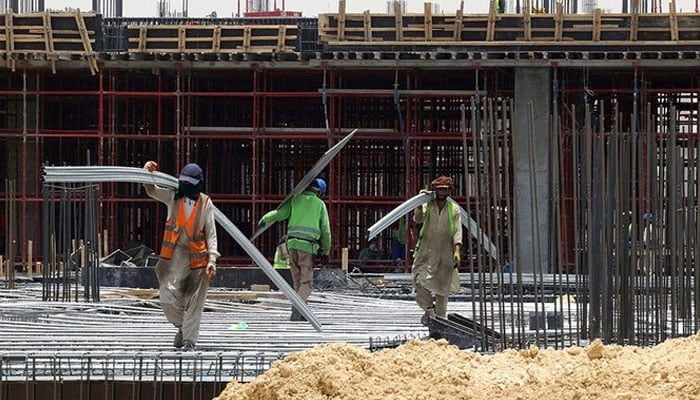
[(450, 215), (196, 243), (304, 233)]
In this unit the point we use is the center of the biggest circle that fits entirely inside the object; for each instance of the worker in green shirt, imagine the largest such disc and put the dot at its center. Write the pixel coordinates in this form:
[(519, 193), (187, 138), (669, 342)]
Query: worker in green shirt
[(308, 234)]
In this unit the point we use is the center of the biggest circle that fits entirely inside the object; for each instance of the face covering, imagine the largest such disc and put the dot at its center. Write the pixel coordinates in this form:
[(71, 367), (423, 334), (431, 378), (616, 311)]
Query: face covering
[(184, 189), (441, 195)]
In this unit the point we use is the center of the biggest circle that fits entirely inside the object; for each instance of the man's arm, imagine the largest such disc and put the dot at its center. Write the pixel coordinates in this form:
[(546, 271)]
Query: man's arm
[(277, 215), (325, 228), (210, 233)]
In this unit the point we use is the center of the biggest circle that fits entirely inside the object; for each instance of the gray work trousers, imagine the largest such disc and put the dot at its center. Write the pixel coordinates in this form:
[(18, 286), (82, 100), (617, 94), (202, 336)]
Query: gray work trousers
[(301, 265), (425, 301), (183, 291)]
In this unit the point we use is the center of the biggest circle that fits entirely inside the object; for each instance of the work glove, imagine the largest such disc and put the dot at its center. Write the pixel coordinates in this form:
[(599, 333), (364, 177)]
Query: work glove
[(424, 191), (150, 166), (211, 270), (458, 257), (261, 224), (324, 260)]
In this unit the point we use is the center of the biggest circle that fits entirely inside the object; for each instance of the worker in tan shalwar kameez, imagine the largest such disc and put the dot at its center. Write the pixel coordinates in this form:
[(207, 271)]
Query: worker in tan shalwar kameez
[(437, 254), (188, 256)]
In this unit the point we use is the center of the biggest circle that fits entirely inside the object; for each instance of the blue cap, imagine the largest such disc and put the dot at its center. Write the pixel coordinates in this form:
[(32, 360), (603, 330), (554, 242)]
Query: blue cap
[(191, 173)]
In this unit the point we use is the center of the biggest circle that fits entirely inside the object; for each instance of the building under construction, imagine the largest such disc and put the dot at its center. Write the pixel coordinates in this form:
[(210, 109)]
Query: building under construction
[(572, 138)]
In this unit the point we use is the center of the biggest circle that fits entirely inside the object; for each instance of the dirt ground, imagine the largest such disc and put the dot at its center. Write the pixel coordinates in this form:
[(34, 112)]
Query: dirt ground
[(427, 370)]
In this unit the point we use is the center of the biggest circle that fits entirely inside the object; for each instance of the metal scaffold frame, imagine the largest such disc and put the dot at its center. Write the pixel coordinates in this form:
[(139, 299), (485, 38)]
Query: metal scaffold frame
[(615, 141)]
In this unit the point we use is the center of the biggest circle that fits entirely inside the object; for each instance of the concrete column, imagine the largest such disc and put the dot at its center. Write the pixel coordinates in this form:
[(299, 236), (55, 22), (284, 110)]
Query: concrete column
[(531, 181)]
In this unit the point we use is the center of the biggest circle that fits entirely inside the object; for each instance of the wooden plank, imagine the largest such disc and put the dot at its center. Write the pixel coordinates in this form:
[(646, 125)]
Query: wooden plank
[(367, 25), (428, 21), (58, 31), (596, 24), (142, 38), (673, 20), (559, 22), (216, 43), (526, 21), (341, 20), (457, 33), (181, 35), (634, 21), (87, 46), (398, 20), (9, 32), (571, 44), (246, 38), (281, 38)]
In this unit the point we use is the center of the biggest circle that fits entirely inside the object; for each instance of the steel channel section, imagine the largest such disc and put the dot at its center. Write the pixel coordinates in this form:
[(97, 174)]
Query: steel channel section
[(310, 176), (422, 198)]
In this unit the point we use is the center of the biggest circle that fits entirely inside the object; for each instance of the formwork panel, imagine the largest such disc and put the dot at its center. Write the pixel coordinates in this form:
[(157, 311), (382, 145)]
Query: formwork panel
[(355, 218), (69, 112), (227, 165), (241, 216), (68, 151), (368, 112), (66, 82), (142, 116), (140, 81), (134, 151), (283, 162), (373, 169), (291, 112), (224, 112), (440, 114), (437, 158), (229, 82)]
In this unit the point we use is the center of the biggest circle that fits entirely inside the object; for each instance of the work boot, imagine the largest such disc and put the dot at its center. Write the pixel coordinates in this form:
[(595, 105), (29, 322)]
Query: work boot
[(178, 339), (296, 316), (429, 313), (187, 345)]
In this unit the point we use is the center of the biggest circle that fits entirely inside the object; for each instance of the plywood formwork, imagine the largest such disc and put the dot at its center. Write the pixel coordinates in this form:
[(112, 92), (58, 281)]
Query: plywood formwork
[(378, 30), (212, 38), (50, 35)]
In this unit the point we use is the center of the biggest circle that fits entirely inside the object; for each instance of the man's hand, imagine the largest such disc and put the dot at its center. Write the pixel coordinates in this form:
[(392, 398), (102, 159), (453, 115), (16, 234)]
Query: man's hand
[(261, 224), (324, 260), (211, 271), (424, 191), (150, 166), (458, 257)]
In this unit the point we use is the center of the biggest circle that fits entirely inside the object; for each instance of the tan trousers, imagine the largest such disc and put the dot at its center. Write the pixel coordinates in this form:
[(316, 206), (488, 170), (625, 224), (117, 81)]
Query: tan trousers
[(425, 301), (301, 265), (183, 291)]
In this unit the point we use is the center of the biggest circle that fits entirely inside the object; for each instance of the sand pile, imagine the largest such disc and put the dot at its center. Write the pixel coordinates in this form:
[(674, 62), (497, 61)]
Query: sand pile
[(436, 370)]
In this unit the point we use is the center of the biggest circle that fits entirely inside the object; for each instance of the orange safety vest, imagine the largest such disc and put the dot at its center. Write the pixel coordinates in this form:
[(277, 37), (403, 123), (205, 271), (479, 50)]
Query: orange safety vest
[(197, 241)]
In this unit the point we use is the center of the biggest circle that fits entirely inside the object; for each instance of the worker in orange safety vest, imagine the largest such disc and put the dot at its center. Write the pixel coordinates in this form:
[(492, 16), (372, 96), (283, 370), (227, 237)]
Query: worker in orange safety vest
[(189, 252)]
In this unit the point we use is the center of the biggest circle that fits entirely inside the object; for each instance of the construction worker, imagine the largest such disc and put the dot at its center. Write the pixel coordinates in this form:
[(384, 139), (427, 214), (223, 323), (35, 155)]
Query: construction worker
[(437, 253), (398, 242), (308, 234), (282, 254), (189, 252)]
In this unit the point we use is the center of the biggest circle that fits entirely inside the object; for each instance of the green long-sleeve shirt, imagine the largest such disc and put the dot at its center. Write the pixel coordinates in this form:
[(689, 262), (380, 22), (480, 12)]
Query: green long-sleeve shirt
[(308, 228)]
